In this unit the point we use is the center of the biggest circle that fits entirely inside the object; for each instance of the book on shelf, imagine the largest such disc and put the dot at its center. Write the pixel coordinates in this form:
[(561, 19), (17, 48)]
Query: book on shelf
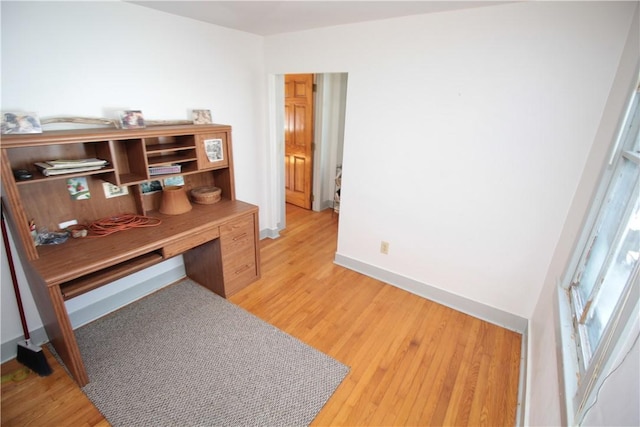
[(163, 170)]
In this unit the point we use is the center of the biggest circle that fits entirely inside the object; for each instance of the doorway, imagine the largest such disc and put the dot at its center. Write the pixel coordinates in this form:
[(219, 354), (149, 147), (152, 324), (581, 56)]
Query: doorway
[(329, 106), (329, 130)]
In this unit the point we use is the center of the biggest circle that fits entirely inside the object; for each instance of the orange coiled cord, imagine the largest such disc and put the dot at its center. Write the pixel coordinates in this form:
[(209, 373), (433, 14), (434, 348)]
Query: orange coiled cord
[(109, 225)]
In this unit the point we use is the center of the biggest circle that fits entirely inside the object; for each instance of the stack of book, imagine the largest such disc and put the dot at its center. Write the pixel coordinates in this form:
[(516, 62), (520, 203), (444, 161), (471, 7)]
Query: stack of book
[(61, 167)]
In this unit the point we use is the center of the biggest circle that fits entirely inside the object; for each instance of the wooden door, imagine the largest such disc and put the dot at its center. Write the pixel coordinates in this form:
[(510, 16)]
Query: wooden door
[(298, 138)]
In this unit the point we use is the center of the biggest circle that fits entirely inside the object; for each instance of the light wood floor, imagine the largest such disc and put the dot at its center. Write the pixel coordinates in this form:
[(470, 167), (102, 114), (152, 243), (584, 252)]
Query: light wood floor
[(413, 362)]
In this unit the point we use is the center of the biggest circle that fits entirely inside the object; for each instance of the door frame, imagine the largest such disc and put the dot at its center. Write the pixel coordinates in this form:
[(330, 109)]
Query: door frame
[(325, 155)]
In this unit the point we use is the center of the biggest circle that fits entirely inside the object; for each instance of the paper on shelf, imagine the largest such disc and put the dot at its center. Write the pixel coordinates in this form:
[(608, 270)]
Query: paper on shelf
[(50, 172), (67, 164)]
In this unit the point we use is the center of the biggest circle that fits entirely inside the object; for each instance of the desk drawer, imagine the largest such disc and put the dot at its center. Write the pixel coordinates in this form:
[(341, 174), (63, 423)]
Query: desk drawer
[(238, 274), (189, 242), (238, 235), (238, 246)]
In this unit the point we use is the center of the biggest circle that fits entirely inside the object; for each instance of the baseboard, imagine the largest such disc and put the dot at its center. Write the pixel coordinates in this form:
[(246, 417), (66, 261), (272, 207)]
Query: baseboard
[(269, 233), (102, 307), (462, 304), (327, 204), (9, 349), (522, 380), (92, 308), (465, 305)]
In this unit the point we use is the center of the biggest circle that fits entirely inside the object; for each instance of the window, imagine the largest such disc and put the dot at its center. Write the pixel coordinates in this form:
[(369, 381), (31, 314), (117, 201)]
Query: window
[(607, 267)]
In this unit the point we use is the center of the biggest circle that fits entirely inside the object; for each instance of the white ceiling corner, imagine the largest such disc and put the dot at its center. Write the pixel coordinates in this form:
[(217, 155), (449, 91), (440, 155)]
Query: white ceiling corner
[(267, 18)]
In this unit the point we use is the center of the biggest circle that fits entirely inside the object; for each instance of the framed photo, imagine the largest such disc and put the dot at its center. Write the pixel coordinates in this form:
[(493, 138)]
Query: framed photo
[(202, 117), (150, 187), (111, 190), (174, 181), (214, 150), (78, 188), (20, 123), (132, 119)]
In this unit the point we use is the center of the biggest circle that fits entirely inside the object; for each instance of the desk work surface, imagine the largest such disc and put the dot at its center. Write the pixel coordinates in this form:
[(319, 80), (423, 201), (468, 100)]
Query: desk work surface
[(77, 257)]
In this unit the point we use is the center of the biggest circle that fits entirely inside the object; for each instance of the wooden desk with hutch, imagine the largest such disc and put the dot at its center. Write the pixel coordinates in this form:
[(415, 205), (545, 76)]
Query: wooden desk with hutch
[(219, 242)]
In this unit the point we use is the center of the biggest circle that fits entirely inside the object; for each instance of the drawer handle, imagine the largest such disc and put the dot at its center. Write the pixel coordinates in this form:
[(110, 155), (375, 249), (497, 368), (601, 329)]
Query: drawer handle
[(240, 237), (243, 268)]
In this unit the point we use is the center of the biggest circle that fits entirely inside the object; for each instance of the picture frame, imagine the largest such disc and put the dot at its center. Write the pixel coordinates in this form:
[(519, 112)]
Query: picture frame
[(202, 117), (214, 149), (150, 187), (18, 123), (78, 188), (174, 181), (132, 119), (111, 190)]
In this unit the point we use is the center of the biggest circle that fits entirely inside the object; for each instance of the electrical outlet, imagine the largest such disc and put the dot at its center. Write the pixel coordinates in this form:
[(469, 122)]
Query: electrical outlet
[(384, 247)]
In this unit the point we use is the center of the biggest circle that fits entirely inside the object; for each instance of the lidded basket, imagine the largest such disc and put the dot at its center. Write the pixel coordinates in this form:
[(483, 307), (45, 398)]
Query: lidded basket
[(206, 195)]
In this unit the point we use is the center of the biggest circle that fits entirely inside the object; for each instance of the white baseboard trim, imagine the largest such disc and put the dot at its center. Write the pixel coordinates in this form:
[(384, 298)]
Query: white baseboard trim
[(107, 305), (270, 233), (465, 305), (9, 349), (101, 307), (522, 380)]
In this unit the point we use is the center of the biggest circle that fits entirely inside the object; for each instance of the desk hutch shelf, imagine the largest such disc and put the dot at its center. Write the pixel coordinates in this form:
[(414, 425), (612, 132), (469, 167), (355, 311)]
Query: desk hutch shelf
[(219, 242)]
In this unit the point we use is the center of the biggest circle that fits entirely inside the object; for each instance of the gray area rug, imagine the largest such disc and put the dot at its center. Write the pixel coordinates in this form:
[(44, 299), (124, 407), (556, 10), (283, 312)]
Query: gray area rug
[(184, 356)]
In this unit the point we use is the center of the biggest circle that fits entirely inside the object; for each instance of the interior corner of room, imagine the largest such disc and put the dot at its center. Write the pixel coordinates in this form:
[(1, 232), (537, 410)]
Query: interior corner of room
[(467, 145)]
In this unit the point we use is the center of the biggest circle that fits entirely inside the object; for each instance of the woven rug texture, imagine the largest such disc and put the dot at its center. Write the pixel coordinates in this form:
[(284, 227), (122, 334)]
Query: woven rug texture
[(184, 356)]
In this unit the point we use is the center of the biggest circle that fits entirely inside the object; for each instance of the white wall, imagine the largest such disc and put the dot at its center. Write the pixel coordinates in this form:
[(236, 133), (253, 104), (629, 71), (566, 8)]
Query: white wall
[(466, 138), (93, 58), (545, 323)]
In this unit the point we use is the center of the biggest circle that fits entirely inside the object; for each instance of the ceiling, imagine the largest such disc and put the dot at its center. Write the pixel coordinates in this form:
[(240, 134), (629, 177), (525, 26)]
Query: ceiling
[(267, 18)]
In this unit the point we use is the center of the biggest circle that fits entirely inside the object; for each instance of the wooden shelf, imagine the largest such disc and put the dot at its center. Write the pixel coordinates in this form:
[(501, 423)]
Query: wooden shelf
[(171, 158), (131, 179), (176, 146), (37, 176), (130, 153)]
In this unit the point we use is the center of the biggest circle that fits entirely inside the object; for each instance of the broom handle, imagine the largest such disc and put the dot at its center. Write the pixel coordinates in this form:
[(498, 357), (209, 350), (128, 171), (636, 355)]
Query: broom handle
[(14, 278)]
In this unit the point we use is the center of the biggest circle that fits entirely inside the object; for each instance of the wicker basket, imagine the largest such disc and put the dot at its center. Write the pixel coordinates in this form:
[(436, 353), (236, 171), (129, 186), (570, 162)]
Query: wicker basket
[(206, 195)]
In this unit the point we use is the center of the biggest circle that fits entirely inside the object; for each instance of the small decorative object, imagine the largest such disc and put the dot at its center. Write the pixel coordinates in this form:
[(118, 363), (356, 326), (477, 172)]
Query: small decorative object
[(174, 201), (132, 119), (78, 188), (22, 174), (111, 190), (77, 231), (206, 195), (20, 123), (32, 230), (213, 148), (150, 187), (202, 117)]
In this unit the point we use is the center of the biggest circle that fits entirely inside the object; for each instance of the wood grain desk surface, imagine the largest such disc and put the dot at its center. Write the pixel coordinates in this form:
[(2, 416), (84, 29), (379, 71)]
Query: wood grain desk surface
[(78, 257)]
